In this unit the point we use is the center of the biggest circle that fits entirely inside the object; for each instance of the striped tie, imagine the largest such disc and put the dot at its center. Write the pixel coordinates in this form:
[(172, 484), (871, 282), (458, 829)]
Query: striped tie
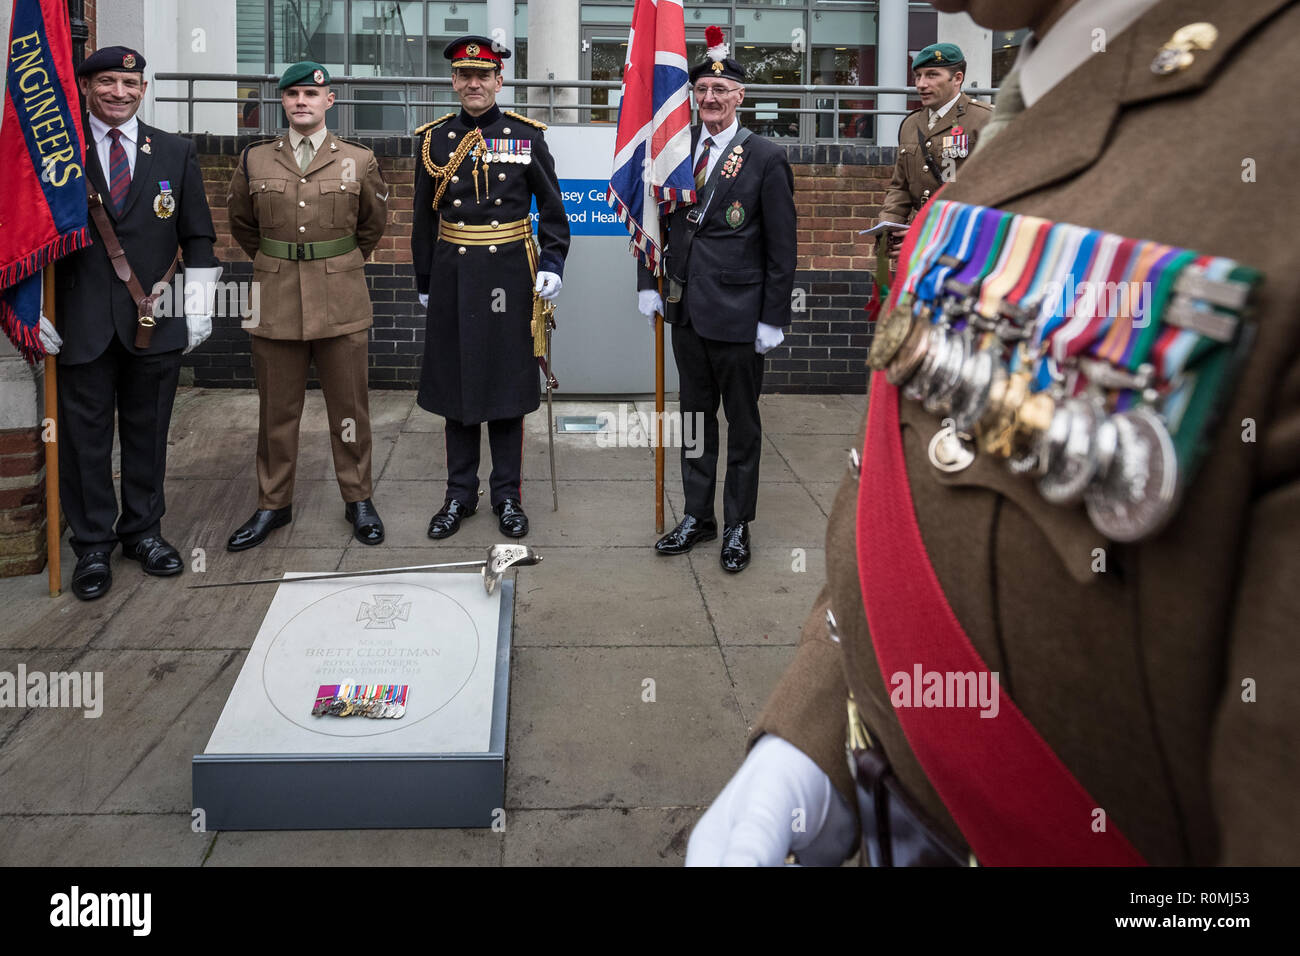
[(119, 171), (702, 165)]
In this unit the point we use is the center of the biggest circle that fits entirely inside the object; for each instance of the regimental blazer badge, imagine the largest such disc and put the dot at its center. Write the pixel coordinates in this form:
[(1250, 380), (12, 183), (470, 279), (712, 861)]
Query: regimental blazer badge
[(735, 215)]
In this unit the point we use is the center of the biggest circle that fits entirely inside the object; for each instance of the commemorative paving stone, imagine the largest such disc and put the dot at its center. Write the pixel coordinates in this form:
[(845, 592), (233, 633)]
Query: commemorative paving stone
[(398, 680), (768, 602), (582, 734)]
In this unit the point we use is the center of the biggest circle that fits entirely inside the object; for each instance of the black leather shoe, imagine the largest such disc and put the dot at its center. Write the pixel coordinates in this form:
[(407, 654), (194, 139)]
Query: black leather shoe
[(366, 525), (447, 521), (735, 547), (93, 577), (156, 556), (254, 531), (511, 518), (689, 532)]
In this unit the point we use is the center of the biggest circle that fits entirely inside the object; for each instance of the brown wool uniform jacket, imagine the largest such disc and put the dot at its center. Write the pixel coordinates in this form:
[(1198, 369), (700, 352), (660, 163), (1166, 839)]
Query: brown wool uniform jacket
[(342, 193), (1134, 676), (915, 178)]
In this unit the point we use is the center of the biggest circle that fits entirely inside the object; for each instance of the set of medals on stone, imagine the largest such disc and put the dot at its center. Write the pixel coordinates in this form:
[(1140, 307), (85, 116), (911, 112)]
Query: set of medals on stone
[(375, 701), (1102, 397)]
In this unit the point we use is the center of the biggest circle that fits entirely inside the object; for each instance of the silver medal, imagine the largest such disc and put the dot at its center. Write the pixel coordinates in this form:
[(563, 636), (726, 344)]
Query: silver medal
[(1070, 450), (936, 344), (972, 394), (1139, 489), (948, 373)]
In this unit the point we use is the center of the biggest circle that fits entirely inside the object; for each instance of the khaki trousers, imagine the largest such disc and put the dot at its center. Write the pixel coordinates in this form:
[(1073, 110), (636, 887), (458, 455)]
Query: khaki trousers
[(280, 366)]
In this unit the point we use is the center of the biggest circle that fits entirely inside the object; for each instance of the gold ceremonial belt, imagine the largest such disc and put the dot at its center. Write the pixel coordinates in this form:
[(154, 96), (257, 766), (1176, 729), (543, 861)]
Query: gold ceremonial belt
[(489, 235)]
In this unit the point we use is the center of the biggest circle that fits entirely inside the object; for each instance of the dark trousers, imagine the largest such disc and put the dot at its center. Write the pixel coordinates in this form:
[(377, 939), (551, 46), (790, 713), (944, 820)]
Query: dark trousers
[(141, 389), (506, 440), (731, 372)]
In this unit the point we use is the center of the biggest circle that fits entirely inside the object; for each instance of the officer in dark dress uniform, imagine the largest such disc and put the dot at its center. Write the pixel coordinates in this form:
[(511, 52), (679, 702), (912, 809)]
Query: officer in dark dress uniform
[(479, 272)]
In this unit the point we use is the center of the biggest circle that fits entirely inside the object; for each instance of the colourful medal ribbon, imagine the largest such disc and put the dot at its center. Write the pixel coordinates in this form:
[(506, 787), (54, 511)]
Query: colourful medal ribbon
[(1047, 244), (992, 227), (917, 240), (1134, 306), (963, 238), (1025, 238), (947, 234), (1076, 259)]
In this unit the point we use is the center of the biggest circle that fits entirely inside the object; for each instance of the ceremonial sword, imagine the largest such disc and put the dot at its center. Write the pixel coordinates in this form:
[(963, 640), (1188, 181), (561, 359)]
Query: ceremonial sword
[(500, 557)]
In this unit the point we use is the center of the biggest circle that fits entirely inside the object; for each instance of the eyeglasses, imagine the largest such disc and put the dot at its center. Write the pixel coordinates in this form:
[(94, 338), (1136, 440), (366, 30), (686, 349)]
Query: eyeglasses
[(703, 89)]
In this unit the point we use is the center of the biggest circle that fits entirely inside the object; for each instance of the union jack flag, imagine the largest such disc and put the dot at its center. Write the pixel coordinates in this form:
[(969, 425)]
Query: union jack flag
[(652, 152)]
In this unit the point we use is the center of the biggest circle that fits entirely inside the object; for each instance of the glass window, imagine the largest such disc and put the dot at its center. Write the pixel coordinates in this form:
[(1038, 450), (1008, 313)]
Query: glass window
[(385, 38)]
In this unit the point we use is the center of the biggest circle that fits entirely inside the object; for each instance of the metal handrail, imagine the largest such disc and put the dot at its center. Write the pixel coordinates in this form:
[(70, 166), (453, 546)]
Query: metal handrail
[(404, 84)]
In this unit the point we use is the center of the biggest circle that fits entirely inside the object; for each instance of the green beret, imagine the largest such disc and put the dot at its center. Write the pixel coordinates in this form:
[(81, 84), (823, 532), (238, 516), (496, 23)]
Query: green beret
[(939, 54), (305, 73)]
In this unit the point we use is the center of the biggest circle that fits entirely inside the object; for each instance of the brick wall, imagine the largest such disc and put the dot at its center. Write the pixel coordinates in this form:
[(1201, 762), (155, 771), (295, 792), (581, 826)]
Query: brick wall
[(22, 502), (838, 191)]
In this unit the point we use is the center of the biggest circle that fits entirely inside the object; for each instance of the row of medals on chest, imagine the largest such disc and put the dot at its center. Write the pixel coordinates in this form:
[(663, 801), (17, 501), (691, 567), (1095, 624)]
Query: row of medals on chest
[(1122, 466)]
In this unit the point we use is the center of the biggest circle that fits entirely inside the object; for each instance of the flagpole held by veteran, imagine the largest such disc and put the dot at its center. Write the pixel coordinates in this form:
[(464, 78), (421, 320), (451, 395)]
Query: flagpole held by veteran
[(652, 163)]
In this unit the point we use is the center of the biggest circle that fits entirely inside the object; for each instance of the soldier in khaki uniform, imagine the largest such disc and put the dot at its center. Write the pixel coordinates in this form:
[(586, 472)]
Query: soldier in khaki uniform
[(308, 208), (1145, 676), (934, 141)]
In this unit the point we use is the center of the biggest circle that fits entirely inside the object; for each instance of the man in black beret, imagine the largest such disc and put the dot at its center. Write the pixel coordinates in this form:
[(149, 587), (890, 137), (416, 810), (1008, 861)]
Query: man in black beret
[(729, 274), (150, 200)]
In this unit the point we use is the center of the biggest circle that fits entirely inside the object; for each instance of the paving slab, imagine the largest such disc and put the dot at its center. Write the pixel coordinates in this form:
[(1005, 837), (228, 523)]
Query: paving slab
[(34, 661), (609, 596), (807, 415), (33, 619), (639, 836), (325, 848), (755, 672), (823, 493), (816, 457), (592, 513), (582, 736), (768, 601), (170, 614), (102, 839), (787, 516), (159, 708)]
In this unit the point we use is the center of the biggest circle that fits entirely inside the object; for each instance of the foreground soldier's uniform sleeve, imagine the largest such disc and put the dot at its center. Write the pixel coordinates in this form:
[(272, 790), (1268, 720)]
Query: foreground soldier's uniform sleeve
[(239, 206), (1256, 744)]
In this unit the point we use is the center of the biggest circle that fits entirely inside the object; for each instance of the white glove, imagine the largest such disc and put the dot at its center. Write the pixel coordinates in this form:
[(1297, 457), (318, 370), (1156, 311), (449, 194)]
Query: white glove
[(548, 285), (769, 337), (648, 303), (778, 801), (424, 300), (201, 285), (51, 341), (199, 328)]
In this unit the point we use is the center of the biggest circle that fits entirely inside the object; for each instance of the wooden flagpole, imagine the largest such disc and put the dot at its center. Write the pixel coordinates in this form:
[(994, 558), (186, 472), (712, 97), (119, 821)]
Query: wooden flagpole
[(659, 416), (52, 514)]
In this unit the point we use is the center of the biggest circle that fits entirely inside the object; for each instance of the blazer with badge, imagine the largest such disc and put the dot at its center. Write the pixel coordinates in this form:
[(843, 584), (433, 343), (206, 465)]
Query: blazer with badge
[(341, 194), (742, 259), (150, 235), (1139, 677), (915, 178)]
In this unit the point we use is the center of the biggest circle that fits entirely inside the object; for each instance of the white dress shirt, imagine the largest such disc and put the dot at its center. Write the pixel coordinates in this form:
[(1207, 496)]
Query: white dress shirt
[(99, 133), (1045, 61), (720, 143)]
